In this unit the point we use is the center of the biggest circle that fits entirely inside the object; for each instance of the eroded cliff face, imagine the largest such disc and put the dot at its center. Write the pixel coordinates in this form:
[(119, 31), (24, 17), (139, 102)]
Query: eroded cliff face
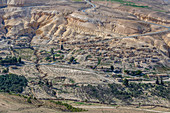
[(46, 24), (50, 24)]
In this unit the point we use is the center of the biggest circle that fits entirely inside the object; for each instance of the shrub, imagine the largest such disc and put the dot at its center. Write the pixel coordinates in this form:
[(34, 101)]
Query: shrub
[(71, 59), (47, 58), (5, 70), (68, 107), (29, 100), (125, 82), (10, 60)]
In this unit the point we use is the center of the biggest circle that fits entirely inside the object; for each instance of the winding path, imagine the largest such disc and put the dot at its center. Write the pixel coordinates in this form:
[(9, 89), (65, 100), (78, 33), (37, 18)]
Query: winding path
[(93, 6)]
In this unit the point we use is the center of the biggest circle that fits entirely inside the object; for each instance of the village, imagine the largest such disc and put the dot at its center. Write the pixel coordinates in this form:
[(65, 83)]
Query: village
[(98, 56)]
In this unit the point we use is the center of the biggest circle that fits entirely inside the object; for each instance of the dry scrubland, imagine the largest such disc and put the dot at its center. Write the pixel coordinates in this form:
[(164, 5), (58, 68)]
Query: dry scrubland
[(17, 104)]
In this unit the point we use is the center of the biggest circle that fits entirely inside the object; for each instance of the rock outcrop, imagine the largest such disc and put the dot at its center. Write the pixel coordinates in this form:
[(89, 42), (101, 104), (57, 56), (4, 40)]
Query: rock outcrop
[(148, 15)]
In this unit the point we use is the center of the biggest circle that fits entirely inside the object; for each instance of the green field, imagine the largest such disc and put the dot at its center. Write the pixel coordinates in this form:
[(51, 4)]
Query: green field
[(127, 3)]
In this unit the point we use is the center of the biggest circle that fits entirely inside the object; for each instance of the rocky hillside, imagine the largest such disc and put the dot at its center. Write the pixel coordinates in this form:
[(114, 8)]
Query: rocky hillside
[(68, 43), (41, 22)]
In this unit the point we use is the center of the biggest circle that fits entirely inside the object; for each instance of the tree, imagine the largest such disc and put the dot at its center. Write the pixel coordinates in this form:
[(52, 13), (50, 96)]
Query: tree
[(61, 47), (47, 58), (146, 76), (5, 70), (19, 60), (52, 51), (72, 59), (46, 82), (99, 60), (9, 60), (139, 105), (138, 72), (112, 68), (29, 100), (14, 60), (157, 80), (162, 83), (53, 57), (126, 82), (11, 48)]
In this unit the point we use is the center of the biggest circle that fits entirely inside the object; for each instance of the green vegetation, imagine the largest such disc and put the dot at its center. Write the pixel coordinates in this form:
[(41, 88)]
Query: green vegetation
[(146, 76), (57, 55), (52, 51), (51, 56), (29, 100), (12, 83), (162, 91), (160, 10), (61, 47), (162, 83), (134, 73), (5, 70), (157, 80), (124, 2), (9, 60), (128, 92), (73, 60), (69, 108), (19, 60), (112, 68), (59, 51), (117, 76), (87, 57), (125, 82), (47, 58), (128, 3), (72, 81), (54, 58), (83, 103), (99, 59)]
